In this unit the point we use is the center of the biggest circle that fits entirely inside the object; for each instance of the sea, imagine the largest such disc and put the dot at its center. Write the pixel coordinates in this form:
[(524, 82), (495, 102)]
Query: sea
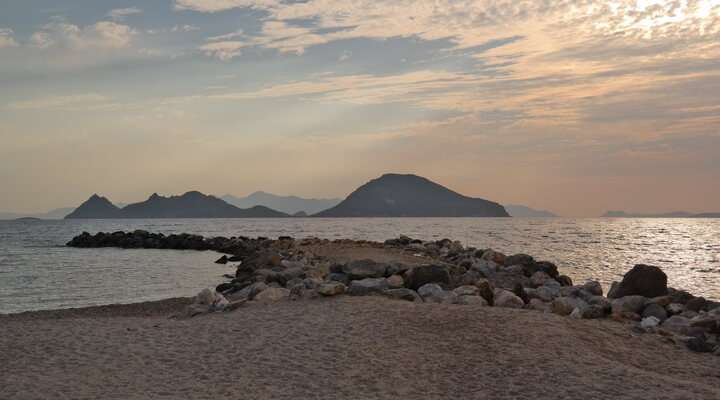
[(38, 272)]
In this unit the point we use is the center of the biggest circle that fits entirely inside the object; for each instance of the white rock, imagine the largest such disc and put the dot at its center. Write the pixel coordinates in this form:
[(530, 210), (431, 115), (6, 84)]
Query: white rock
[(649, 323)]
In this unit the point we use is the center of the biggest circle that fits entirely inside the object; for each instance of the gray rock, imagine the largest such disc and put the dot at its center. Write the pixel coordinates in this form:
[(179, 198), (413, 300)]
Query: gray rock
[(593, 287), (655, 310), (396, 282), (272, 295), (467, 291), (677, 324), (403, 294), (595, 312), (544, 293), (361, 269), (486, 268), (649, 323), (539, 305), (507, 299), (633, 304), (367, 286), (424, 274), (601, 302), (433, 293), (613, 291), (469, 278), (331, 289), (338, 277), (539, 278), (566, 305), (675, 308), (494, 256)]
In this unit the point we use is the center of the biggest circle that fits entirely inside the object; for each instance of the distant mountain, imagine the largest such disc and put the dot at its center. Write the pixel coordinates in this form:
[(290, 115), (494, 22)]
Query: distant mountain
[(95, 207), (394, 195), (674, 214), (287, 204), (58, 213), (189, 205), (526, 212)]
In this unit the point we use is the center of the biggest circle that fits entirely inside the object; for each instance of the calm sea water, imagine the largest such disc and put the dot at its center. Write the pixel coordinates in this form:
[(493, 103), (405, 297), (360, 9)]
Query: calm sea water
[(38, 272)]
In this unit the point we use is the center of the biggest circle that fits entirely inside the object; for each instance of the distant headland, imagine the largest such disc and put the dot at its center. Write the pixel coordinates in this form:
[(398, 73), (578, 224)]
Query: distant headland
[(391, 195), (674, 214)]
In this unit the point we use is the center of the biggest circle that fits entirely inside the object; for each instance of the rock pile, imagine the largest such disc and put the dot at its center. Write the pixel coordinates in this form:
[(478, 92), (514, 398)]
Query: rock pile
[(276, 270)]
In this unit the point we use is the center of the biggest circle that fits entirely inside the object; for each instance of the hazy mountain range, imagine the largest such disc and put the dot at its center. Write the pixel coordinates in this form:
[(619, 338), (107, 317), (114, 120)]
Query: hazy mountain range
[(189, 205), (674, 214), (391, 195), (287, 204)]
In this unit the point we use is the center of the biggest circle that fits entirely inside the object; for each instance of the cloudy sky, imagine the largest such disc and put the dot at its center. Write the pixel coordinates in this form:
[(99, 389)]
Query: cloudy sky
[(576, 106)]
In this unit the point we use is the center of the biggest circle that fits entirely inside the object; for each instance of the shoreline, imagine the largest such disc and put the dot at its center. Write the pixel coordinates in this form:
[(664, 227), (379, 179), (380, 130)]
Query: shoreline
[(370, 320)]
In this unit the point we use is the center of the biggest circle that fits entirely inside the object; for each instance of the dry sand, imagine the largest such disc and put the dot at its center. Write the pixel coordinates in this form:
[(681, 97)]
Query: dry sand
[(345, 347)]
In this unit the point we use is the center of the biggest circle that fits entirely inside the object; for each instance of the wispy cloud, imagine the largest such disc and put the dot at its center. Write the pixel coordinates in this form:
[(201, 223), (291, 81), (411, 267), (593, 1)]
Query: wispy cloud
[(101, 35), (211, 6), (120, 14), (7, 38), (224, 50), (83, 101)]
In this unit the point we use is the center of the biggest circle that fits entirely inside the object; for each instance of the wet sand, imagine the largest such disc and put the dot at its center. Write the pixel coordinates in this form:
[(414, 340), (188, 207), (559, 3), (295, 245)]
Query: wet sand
[(344, 347)]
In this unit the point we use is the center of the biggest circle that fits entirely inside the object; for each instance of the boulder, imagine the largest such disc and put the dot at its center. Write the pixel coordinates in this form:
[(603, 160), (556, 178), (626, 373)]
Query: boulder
[(675, 308), (424, 274), (594, 312), (361, 269), (655, 310), (272, 295), (544, 293), (566, 305), (403, 294), (467, 291), (519, 259), (329, 289), (539, 278), (494, 256), (564, 280), (649, 323), (677, 324), (642, 280), (593, 287), (707, 322), (433, 293), (486, 268), (396, 282), (696, 304), (486, 290), (546, 267), (507, 299), (222, 260), (539, 305), (367, 286), (633, 304), (209, 300), (469, 278), (338, 277)]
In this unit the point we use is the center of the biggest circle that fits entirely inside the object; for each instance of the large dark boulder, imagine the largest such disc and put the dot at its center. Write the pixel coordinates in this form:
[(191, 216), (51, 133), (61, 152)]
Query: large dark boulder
[(361, 269), (424, 274), (642, 280)]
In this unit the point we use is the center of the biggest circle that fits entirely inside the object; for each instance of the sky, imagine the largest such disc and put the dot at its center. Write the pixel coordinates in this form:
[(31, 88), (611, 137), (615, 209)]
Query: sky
[(574, 106)]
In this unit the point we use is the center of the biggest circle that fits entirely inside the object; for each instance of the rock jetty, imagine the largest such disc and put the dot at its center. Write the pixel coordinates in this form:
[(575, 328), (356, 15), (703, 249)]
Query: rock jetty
[(442, 271)]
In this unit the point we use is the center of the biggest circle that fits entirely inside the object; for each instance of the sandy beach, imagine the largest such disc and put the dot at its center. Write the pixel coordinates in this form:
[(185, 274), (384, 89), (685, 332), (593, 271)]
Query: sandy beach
[(342, 347)]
